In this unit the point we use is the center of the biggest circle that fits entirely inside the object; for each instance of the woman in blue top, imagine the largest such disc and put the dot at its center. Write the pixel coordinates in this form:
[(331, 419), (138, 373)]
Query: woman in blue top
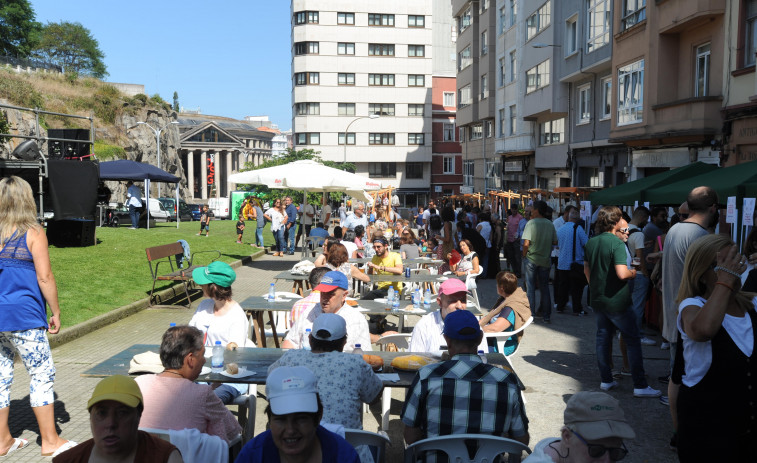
[(27, 285), (508, 313)]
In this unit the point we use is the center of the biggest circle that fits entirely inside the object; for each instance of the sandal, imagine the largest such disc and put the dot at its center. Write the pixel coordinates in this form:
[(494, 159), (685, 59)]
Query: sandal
[(18, 444), (67, 446)]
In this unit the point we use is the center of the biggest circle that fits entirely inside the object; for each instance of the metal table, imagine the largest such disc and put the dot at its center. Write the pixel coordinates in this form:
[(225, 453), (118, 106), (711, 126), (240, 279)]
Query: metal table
[(299, 282)]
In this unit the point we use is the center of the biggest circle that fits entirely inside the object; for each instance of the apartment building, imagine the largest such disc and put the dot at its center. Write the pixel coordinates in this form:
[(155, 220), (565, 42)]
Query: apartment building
[(476, 22), (362, 80)]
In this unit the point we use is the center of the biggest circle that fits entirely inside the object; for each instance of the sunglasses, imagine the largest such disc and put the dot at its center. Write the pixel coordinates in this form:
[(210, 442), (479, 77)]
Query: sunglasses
[(596, 451), (624, 230)]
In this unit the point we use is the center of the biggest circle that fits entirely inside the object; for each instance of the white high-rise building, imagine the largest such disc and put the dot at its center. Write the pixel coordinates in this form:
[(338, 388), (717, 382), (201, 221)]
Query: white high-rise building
[(361, 86)]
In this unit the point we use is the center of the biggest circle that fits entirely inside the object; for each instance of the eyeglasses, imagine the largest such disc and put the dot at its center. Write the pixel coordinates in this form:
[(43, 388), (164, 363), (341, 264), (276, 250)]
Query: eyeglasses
[(624, 230), (596, 451)]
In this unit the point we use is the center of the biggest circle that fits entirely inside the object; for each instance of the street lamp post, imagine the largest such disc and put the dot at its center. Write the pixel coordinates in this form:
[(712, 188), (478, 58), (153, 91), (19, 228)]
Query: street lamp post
[(157, 139), (347, 131)]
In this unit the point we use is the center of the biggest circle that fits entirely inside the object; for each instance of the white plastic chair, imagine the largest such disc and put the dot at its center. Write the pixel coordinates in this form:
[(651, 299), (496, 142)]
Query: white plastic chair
[(246, 412), (378, 440), (470, 283), (401, 340), (503, 336), (234, 445), (489, 447)]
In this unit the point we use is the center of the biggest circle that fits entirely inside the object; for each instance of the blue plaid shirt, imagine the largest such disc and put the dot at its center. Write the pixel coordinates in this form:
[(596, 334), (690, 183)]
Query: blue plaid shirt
[(464, 395)]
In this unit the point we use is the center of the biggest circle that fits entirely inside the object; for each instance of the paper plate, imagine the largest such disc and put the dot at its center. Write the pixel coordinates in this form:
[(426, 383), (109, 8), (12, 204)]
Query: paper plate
[(205, 371), (243, 372)]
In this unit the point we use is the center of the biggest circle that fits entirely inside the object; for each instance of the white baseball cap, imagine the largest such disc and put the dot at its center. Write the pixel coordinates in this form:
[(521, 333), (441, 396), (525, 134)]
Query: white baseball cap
[(292, 390)]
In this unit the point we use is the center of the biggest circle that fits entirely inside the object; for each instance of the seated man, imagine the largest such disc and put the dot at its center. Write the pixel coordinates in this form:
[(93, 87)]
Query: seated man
[(509, 313), (333, 292), (427, 334), (192, 405), (114, 412), (345, 382), (294, 411), (463, 394), (305, 305), (384, 262)]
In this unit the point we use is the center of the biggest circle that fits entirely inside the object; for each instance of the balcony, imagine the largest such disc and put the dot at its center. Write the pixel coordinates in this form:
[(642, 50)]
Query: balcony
[(688, 114), (676, 16)]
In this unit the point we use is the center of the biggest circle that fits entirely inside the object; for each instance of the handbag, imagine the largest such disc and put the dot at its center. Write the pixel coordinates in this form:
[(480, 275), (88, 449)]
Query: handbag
[(576, 269)]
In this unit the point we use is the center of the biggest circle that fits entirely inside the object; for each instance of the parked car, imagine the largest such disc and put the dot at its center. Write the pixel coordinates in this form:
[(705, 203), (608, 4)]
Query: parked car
[(197, 211), (157, 210), (170, 205)]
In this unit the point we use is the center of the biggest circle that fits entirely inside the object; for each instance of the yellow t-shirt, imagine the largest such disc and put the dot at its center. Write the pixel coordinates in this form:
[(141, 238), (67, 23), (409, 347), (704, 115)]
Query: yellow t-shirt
[(391, 259)]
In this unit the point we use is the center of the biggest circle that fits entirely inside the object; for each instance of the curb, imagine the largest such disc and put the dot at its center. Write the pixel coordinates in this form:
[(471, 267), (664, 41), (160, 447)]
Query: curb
[(77, 331)]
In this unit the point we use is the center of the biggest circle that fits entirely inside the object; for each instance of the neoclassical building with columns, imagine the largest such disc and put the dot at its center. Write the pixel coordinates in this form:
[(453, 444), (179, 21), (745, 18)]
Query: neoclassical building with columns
[(213, 148)]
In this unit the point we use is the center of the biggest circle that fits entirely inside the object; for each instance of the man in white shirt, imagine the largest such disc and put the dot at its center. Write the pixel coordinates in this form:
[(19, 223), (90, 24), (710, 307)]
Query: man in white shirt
[(306, 221), (326, 212), (427, 334), (134, 201), (333, 290)]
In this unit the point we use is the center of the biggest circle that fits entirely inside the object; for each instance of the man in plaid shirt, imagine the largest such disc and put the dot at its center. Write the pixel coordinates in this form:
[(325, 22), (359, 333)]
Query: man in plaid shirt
[(463, 394)]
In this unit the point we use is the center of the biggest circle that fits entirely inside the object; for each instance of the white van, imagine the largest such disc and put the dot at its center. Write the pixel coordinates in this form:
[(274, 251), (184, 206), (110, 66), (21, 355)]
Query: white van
[(219, 207), (157, 210)]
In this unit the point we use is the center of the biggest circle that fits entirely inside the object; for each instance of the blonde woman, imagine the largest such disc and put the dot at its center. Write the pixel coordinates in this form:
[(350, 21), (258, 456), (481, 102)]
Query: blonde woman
[(27, 288)]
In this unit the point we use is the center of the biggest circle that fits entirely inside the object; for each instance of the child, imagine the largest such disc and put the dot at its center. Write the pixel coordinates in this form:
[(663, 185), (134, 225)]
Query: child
[(240, 227), (204, 221)]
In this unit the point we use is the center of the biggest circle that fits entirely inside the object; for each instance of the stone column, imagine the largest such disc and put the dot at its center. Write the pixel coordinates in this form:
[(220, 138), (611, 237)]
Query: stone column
[(228, 173), (204, 175), (191, 173)]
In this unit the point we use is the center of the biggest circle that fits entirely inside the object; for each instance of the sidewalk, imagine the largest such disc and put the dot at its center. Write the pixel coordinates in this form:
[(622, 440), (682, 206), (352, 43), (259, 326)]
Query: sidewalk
[(553, 362)]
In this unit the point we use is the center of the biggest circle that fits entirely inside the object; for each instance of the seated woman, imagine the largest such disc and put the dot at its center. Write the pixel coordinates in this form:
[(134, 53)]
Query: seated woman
[(349, 242), (509, 313), (191, 405), (408, 248), (320, 261), (359, 234), (338, 260), (220, 318), (468, 263)]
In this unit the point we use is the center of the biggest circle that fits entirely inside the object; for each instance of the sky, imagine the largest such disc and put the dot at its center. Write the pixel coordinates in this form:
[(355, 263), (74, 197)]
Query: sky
[(226, 57)]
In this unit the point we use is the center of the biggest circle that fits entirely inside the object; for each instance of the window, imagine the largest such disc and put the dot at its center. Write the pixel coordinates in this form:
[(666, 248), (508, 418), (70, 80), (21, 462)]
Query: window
[(414, 170), (449, 99), (464, 96), (307, 109), (465, 20), (346, 78), (306, 48), (347, 19), (584, 103), (382, 169), (309, 138), (416, 80), (381, 139), (346, 109), (484, 43), (375, 19), (416, 21), (306, 78), (380, 49), (383, 80), (381, 109), (476, 132), (468, 169), (606, 97), (416, 50), (416, 109), (449, 131), (343, 48), (598, 24), (552, 132), (488, 129), (502, 21), (415, 139), (537, 77), (631, 93), (634, 12), (483, 6), (501, 72), (501, 118), (448, 165), (513, 66), (493, 174), (484, 86), (750, 40), (350, 138), (464, 58), (703, 70), (513, 121), (539, 20), (571, 35), (306, 17), (513, 12)]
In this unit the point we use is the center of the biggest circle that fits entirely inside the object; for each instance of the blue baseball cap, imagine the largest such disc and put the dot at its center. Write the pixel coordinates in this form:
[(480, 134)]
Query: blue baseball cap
[(331, 281), (462, 325)]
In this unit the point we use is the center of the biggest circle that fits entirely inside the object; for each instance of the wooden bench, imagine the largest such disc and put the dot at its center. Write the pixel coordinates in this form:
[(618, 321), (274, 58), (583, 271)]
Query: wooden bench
[(166, 255)]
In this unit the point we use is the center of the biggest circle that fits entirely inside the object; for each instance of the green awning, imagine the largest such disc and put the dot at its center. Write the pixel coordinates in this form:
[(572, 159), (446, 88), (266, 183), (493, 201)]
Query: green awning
[(627, 193)]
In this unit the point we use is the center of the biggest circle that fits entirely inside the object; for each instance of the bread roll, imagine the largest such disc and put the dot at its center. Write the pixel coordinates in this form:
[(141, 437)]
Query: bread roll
[(411, 362), (232, 368), (231, 346), (374, 361)]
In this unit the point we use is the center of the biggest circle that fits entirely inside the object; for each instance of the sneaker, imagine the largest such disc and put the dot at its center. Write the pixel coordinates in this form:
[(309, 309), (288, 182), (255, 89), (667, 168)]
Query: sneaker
[(580, 314), (648, 342), (665, 345), (664, 400), (607, 386), (646, 392)]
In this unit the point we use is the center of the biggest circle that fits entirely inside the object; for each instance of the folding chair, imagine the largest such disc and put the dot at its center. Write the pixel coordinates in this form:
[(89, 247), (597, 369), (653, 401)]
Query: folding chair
[(488, 448)]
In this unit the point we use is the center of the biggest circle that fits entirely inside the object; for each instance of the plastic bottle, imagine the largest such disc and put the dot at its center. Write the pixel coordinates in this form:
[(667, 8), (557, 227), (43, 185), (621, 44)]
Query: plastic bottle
[(390, 296), (396, 303), (482, 355), (172, 325), (216, 361), (427, 299), (306, 341), (417, 299), (272, 293), (357, 350)]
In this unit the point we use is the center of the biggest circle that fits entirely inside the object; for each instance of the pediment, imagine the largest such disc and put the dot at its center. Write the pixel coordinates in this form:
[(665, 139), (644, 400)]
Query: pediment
[(209, 132)]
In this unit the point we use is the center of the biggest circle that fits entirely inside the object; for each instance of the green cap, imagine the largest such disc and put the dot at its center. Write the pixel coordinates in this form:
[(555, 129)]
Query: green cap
[(219, 273)]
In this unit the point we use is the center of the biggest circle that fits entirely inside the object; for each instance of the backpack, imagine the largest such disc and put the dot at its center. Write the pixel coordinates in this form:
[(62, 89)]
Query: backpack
[(435, 222)]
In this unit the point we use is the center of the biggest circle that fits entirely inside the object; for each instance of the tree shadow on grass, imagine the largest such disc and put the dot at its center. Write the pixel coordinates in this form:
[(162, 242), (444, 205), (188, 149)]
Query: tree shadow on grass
[(22, 417)]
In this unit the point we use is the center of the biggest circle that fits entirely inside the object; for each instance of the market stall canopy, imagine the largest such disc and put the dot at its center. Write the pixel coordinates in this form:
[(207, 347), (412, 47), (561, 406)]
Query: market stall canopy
[(308, 175), (638, 190), (726, 181), (135, 171)]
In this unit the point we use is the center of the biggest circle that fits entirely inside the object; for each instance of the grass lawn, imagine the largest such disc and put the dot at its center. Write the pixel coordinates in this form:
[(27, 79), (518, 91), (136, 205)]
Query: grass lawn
[(97, 279)]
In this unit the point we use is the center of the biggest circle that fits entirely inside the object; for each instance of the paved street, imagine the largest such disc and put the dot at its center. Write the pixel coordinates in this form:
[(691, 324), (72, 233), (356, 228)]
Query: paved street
[(554, 362)]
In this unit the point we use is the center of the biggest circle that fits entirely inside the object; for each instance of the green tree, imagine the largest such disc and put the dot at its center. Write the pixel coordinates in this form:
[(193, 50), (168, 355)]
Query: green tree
[(19, 32), (71, 46), (176, 101)]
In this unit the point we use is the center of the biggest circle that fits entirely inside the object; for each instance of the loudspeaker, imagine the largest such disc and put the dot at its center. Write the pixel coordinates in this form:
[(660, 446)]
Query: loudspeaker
[(71, 233), (68, 149)]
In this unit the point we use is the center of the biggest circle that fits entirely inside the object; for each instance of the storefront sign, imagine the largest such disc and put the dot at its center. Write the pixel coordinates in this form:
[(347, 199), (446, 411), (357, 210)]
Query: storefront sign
[(466, 190), (661, 158)]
